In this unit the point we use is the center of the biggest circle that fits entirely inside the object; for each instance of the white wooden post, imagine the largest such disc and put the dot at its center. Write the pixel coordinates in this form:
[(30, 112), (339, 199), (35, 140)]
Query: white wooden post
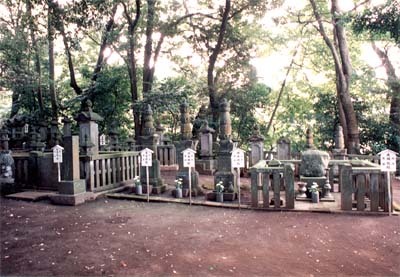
[(388, 164), (237, 159), (58, 158), (146, 160), (188, 161)]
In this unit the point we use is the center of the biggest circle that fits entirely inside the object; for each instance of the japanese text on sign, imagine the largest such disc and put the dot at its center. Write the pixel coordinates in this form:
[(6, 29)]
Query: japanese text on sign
[(103, 140), (57, 154), (188, 158), (146, 157), (388, 160), (237, 158)]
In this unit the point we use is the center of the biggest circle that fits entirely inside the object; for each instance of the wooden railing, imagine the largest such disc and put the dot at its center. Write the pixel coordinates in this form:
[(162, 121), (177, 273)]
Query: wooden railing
[(363, 189), (107, 171), (21, 166), (265, 178), (166, 154)]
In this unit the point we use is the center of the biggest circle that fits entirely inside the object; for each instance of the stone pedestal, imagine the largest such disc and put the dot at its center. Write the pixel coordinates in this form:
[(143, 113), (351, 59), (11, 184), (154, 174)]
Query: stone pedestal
[(183, 172), (225, 173), (71, 189), (206, 164), (149, 140)]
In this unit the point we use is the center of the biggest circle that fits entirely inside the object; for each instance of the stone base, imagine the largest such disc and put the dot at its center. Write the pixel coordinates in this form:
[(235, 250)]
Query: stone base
[(7, 186), (70, 200), (206, 166), (72, 187), (157, 189), (226, 177), (321, 181), (228, 196), (184, 175)]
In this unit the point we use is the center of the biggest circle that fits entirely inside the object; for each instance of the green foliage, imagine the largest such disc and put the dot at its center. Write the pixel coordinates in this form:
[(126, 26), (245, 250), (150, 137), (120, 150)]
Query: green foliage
[(244, 103), (380, 21)]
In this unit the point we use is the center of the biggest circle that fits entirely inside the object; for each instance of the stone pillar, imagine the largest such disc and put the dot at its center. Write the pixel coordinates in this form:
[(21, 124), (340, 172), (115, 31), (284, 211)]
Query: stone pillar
[(71, 189), (200, 119), (225, 173), (256, 146), (186, 142), (88, 128), (283, 149), (67, 127), (113, 134), (149, 140), (6, 164), (160, 133), (55, 135), (309, 139), (338, 153)]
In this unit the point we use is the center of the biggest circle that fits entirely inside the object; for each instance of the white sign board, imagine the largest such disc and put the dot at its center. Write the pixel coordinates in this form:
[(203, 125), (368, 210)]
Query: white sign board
[(388, 160), (103, 140), (146, 157), (188, 157), (26, 128), (57, 154), (237, 158)]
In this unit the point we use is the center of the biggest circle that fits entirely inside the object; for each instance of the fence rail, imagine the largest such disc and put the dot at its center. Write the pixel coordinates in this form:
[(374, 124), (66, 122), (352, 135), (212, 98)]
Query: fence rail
[(107, 171), (265, 179), (166, 154), (363, 189)]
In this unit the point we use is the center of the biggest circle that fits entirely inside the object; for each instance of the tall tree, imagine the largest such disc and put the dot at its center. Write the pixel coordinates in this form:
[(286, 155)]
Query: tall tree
[(340, 52)]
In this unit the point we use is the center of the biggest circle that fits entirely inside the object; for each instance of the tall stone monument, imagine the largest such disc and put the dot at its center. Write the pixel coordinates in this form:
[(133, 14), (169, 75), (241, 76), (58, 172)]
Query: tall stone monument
[(186, 142), (148, 139), (225, 173), (71, 188), (283, 149), (256, 146), (6, 164), (88, 127), (206, 164)]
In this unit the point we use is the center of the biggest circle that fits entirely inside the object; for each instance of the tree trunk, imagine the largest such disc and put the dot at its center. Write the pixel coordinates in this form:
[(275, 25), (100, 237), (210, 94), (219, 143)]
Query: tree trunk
[(394, 94), (148, 48), (38, 70), (341, 57), (131, 63), (52, 91), (212, 92)]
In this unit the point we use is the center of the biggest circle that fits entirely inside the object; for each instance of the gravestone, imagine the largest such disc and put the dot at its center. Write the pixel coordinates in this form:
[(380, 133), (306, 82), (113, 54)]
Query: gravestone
[(149, 140), (113, 134), (313, 169), (160, 133), (256, 146), (225, 173), (309, 139), (199, 121), (55, 135), (338, 153), (283, 149), (206, 163), (88, 127), (6, 164), (185, 143)]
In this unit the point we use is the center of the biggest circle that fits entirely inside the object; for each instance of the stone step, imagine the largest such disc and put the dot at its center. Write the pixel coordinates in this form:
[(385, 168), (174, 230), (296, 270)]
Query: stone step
[(31, 195)]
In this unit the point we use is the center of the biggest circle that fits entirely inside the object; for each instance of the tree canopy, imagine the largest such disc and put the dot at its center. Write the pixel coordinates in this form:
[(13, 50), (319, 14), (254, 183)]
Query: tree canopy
[(284, 67)]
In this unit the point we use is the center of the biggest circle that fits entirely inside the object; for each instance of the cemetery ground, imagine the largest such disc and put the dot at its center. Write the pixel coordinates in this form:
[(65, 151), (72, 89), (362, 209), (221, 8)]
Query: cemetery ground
[(110, 237)]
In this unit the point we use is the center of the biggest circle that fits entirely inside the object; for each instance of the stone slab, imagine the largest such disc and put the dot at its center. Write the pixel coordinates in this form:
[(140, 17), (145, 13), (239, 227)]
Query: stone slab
[(31, 195)]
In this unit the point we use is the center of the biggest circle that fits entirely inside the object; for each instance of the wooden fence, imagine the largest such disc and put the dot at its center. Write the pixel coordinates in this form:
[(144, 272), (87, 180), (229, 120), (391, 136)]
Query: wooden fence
[(107, 171), (166, 154), (265, 179), (363, 189)]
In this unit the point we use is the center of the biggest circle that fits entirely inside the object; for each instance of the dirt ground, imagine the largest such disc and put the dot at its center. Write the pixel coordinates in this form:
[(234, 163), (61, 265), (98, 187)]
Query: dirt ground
[(110, 237)]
